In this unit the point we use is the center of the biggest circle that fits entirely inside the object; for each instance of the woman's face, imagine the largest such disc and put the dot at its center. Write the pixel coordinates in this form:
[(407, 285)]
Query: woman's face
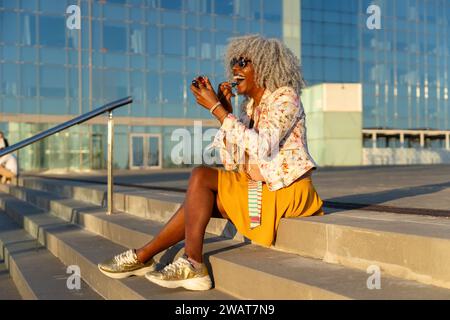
[(244, 74)]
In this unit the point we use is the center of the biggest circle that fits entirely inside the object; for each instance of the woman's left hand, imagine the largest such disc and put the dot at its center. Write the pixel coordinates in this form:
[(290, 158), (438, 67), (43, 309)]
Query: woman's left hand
[(205, 94)]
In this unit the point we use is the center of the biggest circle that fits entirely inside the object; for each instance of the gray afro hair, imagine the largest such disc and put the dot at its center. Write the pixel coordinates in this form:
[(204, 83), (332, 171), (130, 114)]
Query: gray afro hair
[(275, 64)]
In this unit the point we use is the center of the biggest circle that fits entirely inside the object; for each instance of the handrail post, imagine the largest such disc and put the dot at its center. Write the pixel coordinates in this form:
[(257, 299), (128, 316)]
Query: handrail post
[(110, 163)]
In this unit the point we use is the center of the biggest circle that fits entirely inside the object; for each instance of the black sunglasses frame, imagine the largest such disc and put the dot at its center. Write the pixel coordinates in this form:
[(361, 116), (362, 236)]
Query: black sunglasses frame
[(242, 62)]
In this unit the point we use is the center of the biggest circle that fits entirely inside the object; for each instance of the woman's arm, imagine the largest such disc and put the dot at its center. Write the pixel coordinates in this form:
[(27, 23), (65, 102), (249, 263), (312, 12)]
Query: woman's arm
[(280, 118)]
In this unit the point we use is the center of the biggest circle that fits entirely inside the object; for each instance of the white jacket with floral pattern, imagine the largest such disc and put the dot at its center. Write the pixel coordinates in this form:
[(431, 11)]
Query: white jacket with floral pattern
[(277, 143)]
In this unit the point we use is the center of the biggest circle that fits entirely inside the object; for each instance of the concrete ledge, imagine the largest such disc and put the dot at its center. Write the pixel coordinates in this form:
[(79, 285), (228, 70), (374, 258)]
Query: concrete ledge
[(25, 259), (410, 247), (155, 205), (74, 246), (418, 246), (302, 276), (9, 290), (242, 270)]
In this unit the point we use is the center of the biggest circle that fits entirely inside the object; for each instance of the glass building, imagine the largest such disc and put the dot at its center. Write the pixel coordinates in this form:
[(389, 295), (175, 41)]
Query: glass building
[(404, 66), (151, 50)]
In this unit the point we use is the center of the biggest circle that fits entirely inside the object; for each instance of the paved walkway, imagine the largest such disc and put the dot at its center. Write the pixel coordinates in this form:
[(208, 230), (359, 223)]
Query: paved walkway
[(415, 186)]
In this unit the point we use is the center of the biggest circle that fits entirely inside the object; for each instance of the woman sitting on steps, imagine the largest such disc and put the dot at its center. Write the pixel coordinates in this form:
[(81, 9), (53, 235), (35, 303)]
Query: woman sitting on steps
[(267, 172)]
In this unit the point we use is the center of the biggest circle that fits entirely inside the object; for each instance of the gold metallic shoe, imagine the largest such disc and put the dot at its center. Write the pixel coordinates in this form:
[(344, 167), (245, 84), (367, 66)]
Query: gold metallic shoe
[(181, 273), (126, 264)]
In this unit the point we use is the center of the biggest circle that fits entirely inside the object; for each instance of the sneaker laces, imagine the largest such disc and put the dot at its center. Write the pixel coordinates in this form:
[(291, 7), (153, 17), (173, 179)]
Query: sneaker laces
[(172, 268), (127, 257)]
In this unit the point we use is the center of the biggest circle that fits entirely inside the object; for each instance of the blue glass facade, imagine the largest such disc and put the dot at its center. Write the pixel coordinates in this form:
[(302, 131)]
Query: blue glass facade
[(330, 50), (150, 49), (404, 66)]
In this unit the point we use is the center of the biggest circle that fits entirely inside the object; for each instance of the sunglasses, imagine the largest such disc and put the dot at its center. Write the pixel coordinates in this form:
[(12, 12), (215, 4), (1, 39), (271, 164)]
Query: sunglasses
[(242, 62)]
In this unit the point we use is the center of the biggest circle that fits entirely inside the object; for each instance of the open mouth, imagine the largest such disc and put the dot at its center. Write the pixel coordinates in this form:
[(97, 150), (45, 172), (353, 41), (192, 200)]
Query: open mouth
[(238, 79)]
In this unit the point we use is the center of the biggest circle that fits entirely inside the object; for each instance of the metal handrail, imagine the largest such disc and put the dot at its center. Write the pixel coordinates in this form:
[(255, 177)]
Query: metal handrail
[(78, 120), (109, 107)]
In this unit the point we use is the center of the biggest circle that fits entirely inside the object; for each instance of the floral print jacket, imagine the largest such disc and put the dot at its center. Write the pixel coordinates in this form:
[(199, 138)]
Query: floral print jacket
[(277, 143)]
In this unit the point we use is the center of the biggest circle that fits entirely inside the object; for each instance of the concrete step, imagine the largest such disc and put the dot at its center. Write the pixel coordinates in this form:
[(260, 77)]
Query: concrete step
[(411, 247), (149, 204), (75, 246), (8, 290), (248, 271), (92, 217), (36, 273), (406, 246)]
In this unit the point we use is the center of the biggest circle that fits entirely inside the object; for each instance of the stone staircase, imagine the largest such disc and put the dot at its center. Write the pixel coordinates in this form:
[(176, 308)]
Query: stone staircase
[(48, 224)]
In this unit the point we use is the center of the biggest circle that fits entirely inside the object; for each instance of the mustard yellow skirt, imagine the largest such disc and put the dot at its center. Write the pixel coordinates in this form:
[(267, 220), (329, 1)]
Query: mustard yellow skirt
[(299, 199)]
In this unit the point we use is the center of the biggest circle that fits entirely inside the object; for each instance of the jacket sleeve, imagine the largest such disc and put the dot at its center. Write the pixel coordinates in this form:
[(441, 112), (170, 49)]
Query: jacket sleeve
[(227, 151), (273, 127)]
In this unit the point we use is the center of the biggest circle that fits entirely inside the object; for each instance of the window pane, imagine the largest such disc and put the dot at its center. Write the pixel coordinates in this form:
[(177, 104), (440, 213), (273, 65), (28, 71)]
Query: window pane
[(52, 31), (53, 106), (137, 39), (205, 45), (200, 6), (53, 56), (138, 151), (272, 30), (153, 152), (29, 105), (114, 85), (172, 40), (29, 5), (8, 27), (332, 70), (52, 6), (191, 42), (9, 79), (10, 105), (11, 4), (206, 22), (118, 61), (137, 86), (243, 9), (118, 1), (114, 37), (224, 23), (73, 82), (172, 95), (153, 88), (172, 18), (28, 24), (152, 40), (172, 4), (256, 9), (72, 38), (173, 88), (224, 7), (53, 81), (272, 10), (9, 53), (221, 44), (114, 12), (28, 80), (332, 34), (172, 64)]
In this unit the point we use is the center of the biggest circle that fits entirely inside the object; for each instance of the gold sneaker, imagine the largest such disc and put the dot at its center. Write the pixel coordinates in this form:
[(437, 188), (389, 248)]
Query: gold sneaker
[(126, 264), (181, 273)]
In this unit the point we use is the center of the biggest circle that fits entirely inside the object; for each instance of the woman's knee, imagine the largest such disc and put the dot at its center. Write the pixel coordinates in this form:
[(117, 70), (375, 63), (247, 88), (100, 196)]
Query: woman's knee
[(203, 176)]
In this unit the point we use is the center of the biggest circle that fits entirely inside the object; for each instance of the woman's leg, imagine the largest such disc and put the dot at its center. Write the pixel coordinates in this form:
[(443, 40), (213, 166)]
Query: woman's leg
[(190, 220)]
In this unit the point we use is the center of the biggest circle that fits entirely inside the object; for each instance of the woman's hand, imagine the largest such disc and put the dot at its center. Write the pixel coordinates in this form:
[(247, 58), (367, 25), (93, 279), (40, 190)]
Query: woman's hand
[(204, 94), (224, 94)]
